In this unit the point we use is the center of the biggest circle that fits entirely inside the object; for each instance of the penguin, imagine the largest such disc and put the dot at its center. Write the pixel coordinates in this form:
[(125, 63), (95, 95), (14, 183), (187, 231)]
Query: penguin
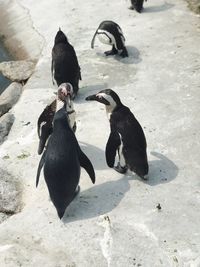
[(61, 162), (64, 65), (45, 120), (126, 136), (110, 33), (137, 5)]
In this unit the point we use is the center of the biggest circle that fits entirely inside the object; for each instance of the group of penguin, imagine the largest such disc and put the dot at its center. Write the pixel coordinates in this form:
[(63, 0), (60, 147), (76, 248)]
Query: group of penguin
[(62, 157)]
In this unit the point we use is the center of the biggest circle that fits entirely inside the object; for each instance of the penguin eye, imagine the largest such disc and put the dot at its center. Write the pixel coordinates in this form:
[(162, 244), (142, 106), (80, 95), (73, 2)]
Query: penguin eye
[(99, 96)]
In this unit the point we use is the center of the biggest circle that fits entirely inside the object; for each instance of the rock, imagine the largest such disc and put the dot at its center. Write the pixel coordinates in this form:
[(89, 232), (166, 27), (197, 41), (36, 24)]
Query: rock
[(6, 122), (9, 97), (10, 196), (17, 71)]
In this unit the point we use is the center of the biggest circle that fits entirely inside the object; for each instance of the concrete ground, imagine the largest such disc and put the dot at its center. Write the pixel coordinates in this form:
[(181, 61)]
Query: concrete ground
[(116, 222)]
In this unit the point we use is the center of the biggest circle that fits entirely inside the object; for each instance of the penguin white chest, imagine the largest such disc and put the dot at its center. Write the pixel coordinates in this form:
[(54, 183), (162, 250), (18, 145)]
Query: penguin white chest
[(106, 37)]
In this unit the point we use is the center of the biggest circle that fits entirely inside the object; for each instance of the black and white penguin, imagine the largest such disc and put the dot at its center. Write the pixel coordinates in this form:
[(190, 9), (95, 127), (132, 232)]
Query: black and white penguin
[(65, 67), (126, 136), (62, 160), (110, 33), (137, 5), (45, 120)]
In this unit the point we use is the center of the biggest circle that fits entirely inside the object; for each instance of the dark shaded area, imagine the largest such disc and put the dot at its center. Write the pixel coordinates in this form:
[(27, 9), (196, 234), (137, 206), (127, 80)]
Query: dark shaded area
[(161, 170), (194, 5), (97, 200), (160, 8), (103, 198), (133, 58), (4, 56)]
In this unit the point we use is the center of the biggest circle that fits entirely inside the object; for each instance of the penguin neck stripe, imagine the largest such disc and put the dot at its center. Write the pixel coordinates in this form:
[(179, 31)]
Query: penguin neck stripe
[(104, 33)]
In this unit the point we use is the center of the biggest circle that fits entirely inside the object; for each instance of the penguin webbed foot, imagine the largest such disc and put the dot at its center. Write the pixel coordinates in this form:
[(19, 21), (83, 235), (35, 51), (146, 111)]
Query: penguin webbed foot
[(144, 177), (120, 169), (131, 8), (124, 53), (111, 52)]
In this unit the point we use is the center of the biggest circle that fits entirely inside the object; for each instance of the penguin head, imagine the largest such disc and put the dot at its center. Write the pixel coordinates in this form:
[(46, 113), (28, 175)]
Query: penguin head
[(65, 94), (107, 97), (60, 37), (44, 125)]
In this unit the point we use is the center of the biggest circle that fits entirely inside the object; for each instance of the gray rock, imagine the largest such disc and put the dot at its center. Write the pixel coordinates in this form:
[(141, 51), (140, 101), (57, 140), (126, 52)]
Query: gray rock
[(17, 71), (9, 97), (10, 195), (6, 122)]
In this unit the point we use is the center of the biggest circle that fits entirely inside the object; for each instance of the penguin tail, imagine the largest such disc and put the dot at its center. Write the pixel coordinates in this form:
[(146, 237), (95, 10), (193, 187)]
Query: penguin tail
[(93, 39), (60, 213)]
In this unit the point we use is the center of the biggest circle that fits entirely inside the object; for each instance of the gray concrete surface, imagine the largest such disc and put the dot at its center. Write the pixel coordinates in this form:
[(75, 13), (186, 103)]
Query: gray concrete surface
[(115, 222)]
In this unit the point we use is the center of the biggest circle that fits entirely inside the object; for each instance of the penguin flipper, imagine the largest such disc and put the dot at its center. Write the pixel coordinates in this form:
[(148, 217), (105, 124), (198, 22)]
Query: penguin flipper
[(87, 165), (52, 68), (41, 164), (111, 148), (92, 43)]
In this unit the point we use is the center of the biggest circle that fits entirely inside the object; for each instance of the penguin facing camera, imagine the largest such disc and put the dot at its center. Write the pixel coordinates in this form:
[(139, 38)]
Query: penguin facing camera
[(45, 120), (62, 160), (64, 66), (126, 136), (110, 33), (137, 5)]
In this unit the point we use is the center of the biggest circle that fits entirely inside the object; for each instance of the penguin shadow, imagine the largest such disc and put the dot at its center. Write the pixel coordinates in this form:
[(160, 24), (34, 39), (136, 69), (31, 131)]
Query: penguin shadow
[(95, 154), (133, 56), (165, 6), (97, 200), (161, 170)]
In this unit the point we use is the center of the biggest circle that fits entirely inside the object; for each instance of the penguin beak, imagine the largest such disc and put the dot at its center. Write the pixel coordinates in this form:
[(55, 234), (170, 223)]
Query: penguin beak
[(98, 98)]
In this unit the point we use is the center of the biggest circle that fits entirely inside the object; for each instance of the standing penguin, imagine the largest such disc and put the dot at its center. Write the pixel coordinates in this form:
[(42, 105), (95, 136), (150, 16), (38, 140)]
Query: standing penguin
[(62, 160), (45, 120), (110, 33), (64, 65), (137, 5), (126, 136)]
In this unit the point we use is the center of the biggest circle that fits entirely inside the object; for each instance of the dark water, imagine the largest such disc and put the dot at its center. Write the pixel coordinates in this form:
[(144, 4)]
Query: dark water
[(4, 56)]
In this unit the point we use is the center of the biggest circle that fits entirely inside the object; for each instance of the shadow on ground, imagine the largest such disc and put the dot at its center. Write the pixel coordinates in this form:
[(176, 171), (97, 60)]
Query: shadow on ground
[(103, 198), (161, 170), (160, 8), (97, 200), (133, 58), (95, 154)]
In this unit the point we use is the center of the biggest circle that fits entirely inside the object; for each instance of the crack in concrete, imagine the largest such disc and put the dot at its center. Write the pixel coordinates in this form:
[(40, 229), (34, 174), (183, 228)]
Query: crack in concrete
[(107, 240), (28, 12)]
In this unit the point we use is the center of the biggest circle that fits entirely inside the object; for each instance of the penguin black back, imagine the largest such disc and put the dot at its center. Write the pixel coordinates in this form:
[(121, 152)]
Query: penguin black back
[(62, 168), (65, 67), (62, 160)]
